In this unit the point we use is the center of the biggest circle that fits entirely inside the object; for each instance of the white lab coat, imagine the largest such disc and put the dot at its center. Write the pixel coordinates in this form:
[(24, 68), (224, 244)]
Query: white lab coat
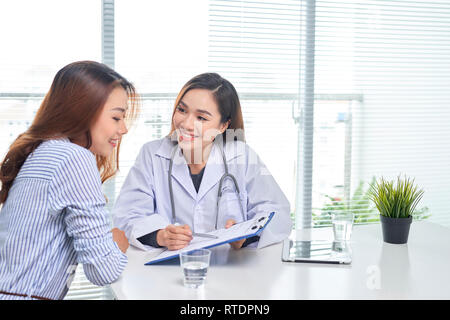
[(143, 205)]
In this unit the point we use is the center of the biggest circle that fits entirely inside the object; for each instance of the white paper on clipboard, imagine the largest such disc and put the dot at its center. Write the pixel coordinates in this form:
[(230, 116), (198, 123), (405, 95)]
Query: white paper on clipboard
[(236, 232)]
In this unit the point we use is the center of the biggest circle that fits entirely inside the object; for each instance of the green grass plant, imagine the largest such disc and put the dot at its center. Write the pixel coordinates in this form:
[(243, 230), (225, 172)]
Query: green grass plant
[(395, 201)]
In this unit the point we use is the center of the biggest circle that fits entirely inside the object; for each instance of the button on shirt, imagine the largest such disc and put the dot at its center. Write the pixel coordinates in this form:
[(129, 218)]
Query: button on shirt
[(53, 219)]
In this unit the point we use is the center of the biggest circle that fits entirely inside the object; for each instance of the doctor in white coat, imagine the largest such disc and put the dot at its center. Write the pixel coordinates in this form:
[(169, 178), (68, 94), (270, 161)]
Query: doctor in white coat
[(172, 189)]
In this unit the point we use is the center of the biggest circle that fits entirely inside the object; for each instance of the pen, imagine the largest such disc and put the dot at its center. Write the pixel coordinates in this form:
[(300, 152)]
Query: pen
[(204, 235)]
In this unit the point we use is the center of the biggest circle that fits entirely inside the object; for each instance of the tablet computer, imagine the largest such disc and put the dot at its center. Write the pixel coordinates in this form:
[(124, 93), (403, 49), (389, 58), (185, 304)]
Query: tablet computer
[(316, 251)]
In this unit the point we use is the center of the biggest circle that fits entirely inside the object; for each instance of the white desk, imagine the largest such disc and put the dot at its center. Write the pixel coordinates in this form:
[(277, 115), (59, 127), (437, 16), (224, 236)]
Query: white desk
[(417, 270)]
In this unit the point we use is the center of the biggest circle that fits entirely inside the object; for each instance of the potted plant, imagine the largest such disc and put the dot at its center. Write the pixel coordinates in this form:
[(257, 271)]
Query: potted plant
[(396, 205)]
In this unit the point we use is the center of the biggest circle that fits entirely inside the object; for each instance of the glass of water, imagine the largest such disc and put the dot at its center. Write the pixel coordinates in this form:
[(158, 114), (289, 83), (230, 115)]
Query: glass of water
[(195, 267), (342, 225)]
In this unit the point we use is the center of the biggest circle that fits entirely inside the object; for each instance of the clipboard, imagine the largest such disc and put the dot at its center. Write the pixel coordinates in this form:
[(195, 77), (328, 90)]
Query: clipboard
[(239, 231)]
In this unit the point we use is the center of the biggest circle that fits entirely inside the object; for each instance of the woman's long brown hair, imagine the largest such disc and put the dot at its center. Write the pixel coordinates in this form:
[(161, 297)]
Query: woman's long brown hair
[(70, 108)]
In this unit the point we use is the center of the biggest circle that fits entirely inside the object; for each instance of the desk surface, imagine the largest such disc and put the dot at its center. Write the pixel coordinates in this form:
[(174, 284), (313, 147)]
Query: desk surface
[(417, 270)]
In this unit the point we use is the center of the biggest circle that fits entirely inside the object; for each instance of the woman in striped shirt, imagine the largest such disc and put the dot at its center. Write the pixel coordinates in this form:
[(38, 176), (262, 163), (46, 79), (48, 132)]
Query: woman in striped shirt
[(53, 213)]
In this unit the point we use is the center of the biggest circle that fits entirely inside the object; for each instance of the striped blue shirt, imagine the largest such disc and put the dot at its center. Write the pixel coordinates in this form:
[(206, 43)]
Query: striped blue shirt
[(53, 219)]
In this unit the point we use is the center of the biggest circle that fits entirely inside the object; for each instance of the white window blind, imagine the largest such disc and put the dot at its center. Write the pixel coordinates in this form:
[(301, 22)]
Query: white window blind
[(365, 82), (256, 45), (392, 57)]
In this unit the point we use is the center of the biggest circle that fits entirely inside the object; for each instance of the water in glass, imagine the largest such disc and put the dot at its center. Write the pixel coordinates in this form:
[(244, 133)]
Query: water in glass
[(342, 230), (195, 273)]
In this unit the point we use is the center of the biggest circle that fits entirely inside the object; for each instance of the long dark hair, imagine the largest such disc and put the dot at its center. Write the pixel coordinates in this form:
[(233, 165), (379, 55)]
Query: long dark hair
[(225, 96), (73, 103)]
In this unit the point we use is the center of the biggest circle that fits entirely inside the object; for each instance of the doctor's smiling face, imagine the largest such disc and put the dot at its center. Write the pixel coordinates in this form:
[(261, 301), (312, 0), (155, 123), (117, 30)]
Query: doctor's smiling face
[(197, 120), (206, 107)]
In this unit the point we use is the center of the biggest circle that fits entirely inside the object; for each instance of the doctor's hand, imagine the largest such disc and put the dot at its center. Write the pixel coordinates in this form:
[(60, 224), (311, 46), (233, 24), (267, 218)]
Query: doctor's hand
[(121, 240), (174, 237), (237, 244)]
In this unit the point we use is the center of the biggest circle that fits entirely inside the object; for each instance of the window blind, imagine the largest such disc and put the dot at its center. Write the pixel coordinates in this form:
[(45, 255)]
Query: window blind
[(393, 57), (366, 81), (256, 45)]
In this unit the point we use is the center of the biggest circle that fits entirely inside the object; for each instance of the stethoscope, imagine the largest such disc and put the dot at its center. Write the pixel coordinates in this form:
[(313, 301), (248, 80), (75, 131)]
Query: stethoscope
[(219, 195)]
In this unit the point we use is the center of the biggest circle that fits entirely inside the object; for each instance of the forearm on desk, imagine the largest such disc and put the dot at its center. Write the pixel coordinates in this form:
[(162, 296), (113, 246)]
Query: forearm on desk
[(250, 240), (150, 239)]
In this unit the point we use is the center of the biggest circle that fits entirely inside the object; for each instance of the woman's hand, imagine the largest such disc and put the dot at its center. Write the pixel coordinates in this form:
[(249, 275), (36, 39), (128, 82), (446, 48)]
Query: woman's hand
[(121, 240), (237, 244), (174, 237)]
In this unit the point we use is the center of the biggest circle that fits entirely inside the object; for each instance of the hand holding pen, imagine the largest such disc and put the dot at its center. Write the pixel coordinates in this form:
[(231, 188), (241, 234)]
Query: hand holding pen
[(174, 237)]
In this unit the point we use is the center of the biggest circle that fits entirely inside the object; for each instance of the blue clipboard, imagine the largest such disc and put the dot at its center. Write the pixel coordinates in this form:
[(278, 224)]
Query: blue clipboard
[(239, 231)]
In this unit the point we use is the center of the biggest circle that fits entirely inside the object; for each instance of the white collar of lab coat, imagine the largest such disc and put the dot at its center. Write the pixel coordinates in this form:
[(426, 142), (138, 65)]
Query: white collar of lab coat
[(232, 149), (214, 167)]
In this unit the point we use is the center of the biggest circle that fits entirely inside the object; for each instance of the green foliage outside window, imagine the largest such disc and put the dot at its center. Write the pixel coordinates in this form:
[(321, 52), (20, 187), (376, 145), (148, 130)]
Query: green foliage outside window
[(360, 205)]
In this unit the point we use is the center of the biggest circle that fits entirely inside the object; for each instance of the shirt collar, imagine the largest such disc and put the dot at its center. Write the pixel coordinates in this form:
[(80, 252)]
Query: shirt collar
[(232, 149)]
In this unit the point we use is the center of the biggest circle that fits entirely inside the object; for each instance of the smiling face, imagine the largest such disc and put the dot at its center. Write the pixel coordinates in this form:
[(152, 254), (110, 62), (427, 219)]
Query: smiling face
[(197, 120), (110, 125)]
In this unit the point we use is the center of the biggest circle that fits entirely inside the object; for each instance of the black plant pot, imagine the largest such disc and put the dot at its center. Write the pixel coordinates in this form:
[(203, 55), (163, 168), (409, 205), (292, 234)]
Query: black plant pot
[(395, 230)]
